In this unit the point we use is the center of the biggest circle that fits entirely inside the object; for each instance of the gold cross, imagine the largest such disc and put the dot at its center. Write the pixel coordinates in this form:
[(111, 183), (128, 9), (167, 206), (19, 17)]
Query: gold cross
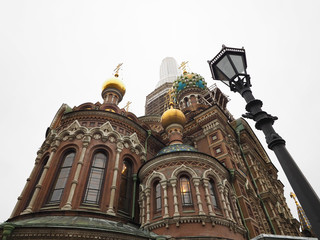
[(116, 70), (170, 94), (126, 107), (183, 66)]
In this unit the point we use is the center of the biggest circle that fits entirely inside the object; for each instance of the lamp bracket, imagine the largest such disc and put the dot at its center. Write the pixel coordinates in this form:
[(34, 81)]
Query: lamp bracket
[(240, 82)]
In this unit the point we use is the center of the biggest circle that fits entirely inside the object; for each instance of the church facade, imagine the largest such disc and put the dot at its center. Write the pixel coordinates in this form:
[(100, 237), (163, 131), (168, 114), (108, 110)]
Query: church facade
[(185, 170)]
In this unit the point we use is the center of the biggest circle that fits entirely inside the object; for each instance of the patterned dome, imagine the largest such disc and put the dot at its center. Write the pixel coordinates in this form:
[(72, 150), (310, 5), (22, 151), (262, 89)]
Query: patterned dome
[(177, 148), (116, 83), (188, 80)]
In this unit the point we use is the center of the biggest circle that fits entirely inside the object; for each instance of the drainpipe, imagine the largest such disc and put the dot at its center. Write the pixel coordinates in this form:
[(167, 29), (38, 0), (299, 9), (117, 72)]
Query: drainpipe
[(239, 127)]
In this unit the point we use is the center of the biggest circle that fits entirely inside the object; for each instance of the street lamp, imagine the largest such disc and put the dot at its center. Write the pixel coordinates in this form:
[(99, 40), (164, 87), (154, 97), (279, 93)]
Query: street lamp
[(229, 66)]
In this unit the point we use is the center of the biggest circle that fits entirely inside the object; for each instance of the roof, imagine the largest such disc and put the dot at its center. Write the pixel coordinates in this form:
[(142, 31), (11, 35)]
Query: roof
[(177, 148), (81, 223)]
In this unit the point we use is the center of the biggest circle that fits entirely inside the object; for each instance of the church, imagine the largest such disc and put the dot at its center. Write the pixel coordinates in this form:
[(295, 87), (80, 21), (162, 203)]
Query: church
[(187, 169)]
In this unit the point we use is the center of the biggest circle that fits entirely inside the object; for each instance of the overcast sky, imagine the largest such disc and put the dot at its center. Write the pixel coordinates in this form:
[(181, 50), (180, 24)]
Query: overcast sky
[(55, 52)]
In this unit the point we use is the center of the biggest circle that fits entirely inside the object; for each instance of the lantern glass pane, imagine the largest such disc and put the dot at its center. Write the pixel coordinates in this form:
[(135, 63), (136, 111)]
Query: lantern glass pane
[(225, 66), (238, 63)]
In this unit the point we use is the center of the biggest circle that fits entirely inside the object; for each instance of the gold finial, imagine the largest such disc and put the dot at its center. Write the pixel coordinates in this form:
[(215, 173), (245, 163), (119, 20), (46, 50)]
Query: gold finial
[(183, 66), (126, 107), (292, 195), (117, 69)]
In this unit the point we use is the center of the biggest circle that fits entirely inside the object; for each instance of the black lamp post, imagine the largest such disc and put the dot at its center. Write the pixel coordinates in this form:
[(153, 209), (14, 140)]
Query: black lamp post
[(229, 66)]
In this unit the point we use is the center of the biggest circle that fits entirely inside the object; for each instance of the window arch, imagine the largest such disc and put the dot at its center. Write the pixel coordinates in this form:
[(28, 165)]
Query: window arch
[(95, 180), (185, 191), (60, 183), (213, 194), (126, 187), (157, 196)]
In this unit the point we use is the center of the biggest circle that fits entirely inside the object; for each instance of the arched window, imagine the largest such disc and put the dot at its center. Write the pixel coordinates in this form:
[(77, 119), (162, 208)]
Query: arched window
[(186, 102), (62, 178), (126, 187), (185, 191), (157, 196), (93, 189), (213, 194)]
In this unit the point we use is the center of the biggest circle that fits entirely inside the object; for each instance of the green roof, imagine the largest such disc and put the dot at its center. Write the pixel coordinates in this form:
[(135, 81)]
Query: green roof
[(81, 223)]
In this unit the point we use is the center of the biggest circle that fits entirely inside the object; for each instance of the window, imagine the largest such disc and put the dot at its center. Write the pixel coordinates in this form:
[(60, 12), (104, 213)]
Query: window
[(157, 196), (214, 137), (62, 179), (185, 190), (250, 210), (126, 187), (95, 180), (218, 150), (213, 194)]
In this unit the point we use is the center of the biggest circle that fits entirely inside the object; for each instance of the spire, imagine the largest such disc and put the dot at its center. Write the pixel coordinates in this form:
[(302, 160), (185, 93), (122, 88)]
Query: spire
[(305, 224), (168, 71)]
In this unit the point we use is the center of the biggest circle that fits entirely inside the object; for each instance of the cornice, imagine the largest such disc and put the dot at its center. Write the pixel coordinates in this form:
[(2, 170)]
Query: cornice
[(179, 158), (212, 220)]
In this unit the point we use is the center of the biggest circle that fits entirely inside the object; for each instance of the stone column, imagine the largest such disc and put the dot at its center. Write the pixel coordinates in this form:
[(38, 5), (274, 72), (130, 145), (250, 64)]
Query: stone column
[(173, 183), (110, 210), (226, 196), (143, 202), (234, 201), (68, 205), (223, 200), (134, 178), (165, 198), (208, 199), (28, 182), (29, 209), (196, 182), (147, 192)]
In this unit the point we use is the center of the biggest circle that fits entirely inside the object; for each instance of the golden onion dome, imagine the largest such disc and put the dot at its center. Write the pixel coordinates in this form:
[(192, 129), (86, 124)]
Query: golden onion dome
[(116, 83), (172, 116)]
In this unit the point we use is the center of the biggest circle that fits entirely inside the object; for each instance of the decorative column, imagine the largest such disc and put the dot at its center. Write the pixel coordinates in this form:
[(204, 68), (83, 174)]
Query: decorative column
[(207, 194), (173, 183), (147, 192), (226, 194), (39, 184), (234, 201), (196, 182), (223, 200), (143, 207), (134, 178), (68, 205), (165, 198), (28, 181), (110, 210)]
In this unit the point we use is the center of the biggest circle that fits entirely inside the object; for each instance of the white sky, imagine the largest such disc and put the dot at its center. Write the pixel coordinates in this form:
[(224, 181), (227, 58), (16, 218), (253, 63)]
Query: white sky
[(54, 52)]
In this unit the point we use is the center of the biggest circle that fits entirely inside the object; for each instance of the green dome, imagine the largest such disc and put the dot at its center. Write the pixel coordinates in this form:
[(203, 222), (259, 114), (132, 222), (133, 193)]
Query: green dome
[(177, 148), (188, 80)]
